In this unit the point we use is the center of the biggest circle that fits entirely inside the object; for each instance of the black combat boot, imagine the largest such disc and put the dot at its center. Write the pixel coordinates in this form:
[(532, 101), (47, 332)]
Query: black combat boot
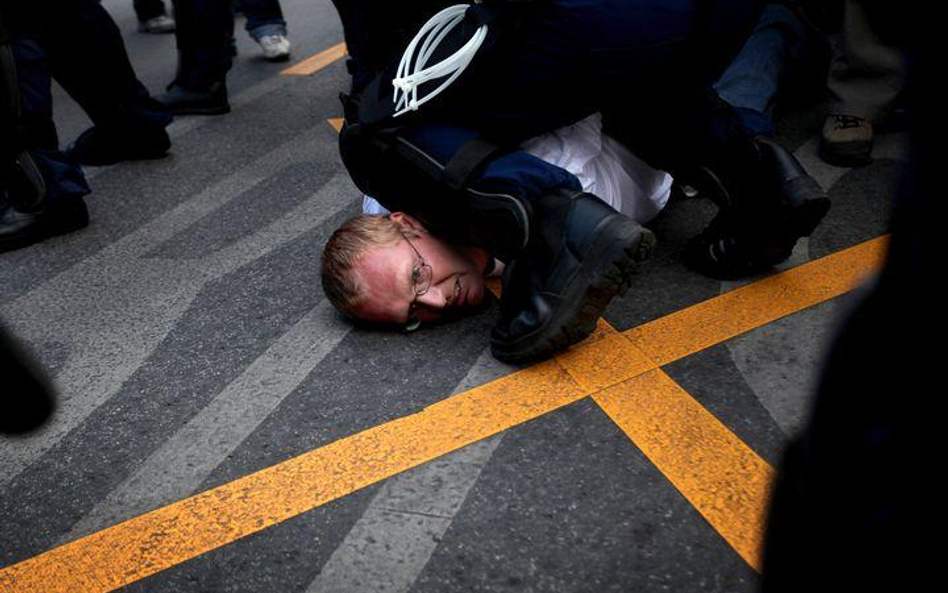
[(581, 253), (207, 100), (27, 215), (20, 229), (99, 146), (767, 202)]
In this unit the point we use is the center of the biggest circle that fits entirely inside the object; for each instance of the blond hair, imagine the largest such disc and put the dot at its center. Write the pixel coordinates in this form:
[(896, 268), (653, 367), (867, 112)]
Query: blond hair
[(342, 253)]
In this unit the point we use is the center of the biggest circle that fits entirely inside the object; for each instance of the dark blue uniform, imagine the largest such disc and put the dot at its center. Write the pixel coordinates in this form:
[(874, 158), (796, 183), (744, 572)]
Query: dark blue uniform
[(77, 43)]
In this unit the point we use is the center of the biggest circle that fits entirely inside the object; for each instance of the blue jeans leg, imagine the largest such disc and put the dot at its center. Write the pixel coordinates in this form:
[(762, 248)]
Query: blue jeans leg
[(264, 17), (752, 80)]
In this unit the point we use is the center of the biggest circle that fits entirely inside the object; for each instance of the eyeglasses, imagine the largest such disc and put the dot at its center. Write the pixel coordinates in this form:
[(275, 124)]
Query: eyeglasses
[(421, 282)]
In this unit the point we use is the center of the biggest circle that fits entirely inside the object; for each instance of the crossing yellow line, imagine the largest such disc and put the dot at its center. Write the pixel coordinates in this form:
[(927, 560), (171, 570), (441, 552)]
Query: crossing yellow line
[(144, 545), (147, 544), (317, 62), (723, 478), (708, 323)]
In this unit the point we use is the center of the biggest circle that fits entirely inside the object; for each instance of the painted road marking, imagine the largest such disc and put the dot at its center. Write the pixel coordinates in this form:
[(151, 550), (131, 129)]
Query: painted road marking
[(335, 123), (723, 317), (139, 547), (134, 549), (179, 467), (723, 478), (390, 544), (317, 62)]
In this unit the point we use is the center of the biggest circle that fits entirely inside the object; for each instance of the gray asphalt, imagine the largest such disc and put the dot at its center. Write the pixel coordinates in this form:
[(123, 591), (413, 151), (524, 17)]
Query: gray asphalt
[(187, 334)]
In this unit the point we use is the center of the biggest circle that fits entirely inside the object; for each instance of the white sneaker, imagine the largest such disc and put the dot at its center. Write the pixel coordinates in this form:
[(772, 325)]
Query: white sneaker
[(276, 48)]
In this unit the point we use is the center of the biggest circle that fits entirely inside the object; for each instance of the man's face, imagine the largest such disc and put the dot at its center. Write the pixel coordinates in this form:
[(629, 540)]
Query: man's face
[(457, 281)]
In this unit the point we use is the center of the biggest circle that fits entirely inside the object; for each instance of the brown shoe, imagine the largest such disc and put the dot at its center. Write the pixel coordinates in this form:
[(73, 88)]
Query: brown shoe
[(846, 140)]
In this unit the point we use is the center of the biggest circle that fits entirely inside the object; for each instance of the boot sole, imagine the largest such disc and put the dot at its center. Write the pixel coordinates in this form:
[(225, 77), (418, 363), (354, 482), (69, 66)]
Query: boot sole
[(609, 266)]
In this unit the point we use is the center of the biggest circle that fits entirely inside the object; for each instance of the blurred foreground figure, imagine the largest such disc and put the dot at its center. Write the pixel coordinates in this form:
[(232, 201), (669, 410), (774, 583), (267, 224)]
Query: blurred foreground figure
[(26, 400), (855, 502)]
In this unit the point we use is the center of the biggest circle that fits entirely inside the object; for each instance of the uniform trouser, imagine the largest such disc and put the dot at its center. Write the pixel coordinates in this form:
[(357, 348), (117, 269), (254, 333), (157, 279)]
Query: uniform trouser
[(203, 34), (86, 55), (62, 176), (77, 43), (413, 172)]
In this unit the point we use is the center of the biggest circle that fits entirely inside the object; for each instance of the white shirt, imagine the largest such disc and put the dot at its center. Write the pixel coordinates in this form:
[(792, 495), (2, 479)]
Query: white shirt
[(603, 166)]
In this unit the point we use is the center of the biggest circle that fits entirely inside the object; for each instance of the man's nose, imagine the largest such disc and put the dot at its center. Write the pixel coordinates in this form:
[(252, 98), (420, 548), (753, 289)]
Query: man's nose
[(435, 298)]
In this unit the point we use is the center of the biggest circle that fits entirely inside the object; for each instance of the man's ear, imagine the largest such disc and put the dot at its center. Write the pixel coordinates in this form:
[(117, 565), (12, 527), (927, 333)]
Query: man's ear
[(407, 223)]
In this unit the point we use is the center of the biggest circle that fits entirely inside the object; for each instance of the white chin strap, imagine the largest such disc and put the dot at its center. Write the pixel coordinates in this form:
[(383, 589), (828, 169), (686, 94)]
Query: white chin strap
[(412, 72)]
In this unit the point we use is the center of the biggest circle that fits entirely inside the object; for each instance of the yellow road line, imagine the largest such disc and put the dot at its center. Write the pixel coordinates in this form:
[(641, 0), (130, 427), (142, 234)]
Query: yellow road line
[(605, 359), (335, 123), (139, 547), (726, 481), (317, 62), (147, 544), (708, 323), (723, 478)]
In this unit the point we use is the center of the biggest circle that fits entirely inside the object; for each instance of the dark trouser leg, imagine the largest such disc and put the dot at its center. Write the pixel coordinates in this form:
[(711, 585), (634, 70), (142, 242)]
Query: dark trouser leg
[(87, 57), (62, 177), (204, 32), (767, 199), (750, 83), (148, 9), (43, 187)]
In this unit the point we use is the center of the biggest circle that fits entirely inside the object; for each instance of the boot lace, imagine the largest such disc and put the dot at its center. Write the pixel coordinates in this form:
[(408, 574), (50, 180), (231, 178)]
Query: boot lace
[(844, 122)]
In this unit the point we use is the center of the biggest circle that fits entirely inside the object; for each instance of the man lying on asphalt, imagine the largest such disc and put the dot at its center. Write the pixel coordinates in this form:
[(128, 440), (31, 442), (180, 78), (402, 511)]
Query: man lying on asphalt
[(461, 168), (451, 276)]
